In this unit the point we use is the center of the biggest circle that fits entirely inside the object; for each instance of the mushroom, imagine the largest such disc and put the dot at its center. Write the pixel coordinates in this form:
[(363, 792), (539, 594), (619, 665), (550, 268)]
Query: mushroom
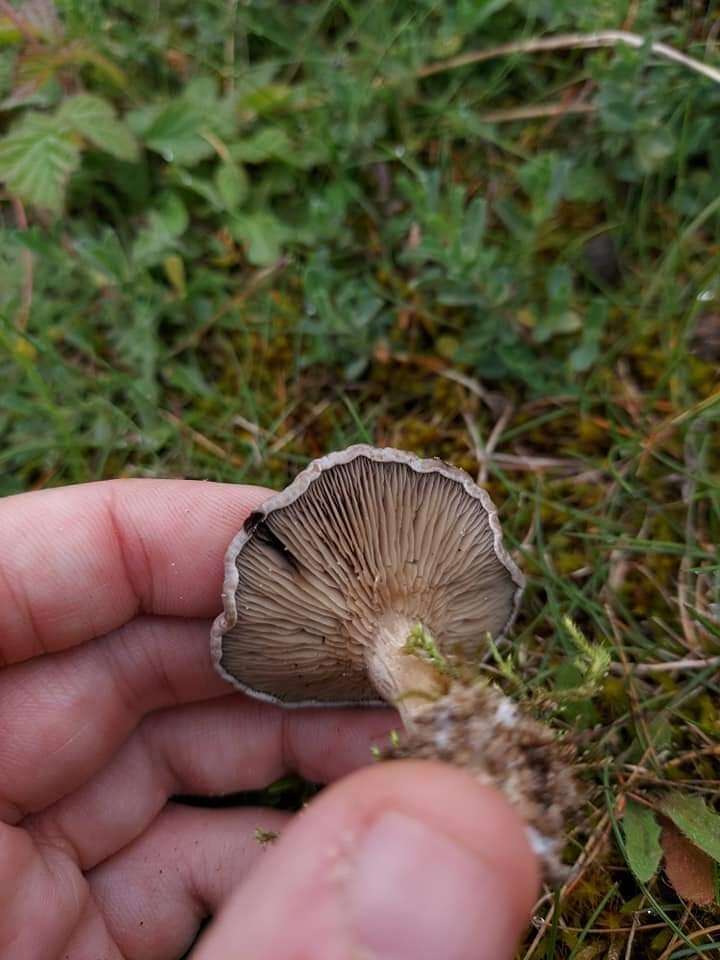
[(379, 576)]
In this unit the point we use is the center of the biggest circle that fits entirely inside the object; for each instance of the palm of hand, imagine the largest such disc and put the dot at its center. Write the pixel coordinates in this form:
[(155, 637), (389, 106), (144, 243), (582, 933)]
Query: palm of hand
[(109, 706)]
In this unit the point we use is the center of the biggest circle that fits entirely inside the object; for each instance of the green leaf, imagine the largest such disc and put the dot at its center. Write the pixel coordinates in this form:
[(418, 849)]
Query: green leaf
[(103, 257), (544, 178), (558, 316), (36, 160), (586, 353), (165, 225), (699, 824), (232, 185), (642, 841), (264, 235), (267, 144), (175, 131), (95, 120), (182, 129), (8, 63), (653, 148)]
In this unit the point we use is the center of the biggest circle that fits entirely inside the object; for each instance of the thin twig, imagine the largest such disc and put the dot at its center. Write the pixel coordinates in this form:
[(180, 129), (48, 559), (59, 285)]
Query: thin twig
[(296, 431), (643, 669), (636, 711), (712, 750), (493, 440), (538, 111), (565, 41), (631, 936), (619, 562), (513, 462), (476, 440), (631, 15), (201, 440), (484, 455), (26, 259), (491, 400), (229, 51), (706, 931), (689, 488), (249, 425)]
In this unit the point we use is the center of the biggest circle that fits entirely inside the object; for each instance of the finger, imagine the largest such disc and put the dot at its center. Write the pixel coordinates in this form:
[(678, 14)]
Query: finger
[(146, 902), (80, 561), (210, 748), (155, 893), (42, 896), (89, 940), (404, 860), (63, 716)]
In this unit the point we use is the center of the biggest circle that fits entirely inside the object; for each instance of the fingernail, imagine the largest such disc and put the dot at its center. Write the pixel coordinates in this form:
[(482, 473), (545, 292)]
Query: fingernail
[(416, 894)]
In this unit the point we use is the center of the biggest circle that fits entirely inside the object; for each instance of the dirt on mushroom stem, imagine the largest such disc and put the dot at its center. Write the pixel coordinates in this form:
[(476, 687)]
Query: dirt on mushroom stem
[(466, 722)]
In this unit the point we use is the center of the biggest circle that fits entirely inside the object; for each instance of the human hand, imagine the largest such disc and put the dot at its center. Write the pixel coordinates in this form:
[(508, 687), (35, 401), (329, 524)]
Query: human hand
[(109, 705)]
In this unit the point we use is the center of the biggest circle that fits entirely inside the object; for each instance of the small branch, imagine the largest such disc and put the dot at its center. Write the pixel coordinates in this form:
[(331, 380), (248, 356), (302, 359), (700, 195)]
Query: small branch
[(712, 750), (484, 454), (229, 49), (200, 440), (566, 41), (491, 400), (513, 462), (685, 581), (287, 438), (536, 112), (643, 669), (26, 259)]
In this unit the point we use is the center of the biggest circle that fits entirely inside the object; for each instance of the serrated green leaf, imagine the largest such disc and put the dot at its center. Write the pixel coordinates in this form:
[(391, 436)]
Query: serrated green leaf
[(232, 184), (36, 160), (175, 132), (642, 841), (693, 817), (95, 120)]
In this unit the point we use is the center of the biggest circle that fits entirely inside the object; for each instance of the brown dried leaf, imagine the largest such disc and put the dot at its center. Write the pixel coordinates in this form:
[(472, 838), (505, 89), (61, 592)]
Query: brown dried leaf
[(689, 870)]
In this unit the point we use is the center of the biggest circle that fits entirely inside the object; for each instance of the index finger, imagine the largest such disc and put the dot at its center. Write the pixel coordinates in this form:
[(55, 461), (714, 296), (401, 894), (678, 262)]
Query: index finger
[(77, 562)]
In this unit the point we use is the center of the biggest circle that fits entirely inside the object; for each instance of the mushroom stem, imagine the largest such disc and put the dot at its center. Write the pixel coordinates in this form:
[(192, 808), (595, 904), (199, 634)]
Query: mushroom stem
[(400, 675), (477, 728)]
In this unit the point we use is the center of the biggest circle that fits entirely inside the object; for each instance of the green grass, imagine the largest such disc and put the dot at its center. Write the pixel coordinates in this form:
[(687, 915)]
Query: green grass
[(286, 238)]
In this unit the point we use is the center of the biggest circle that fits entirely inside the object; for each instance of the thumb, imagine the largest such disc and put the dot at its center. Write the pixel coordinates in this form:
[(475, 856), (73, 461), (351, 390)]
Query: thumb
[(408, 860)]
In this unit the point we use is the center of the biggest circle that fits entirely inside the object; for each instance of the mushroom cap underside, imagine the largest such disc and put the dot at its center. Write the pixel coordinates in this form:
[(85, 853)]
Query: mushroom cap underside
[(363, 539)]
